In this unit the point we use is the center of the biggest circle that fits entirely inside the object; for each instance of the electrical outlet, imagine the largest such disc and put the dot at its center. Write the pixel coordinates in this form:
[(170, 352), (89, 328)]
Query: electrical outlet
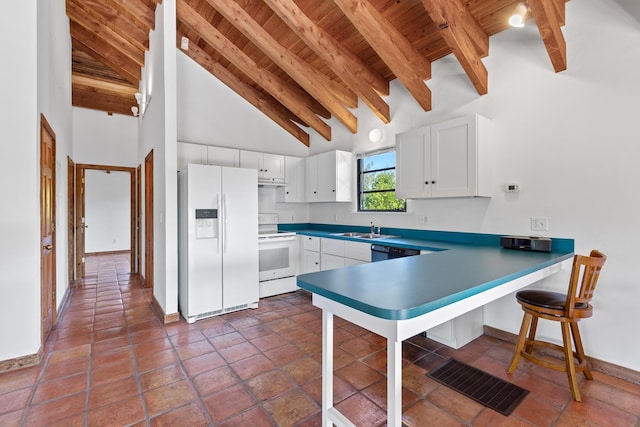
[(539, 223), (424, 220), (335, 218)]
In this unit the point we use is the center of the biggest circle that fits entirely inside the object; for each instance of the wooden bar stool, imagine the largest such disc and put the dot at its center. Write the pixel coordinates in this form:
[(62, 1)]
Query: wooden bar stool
[(568, 310)]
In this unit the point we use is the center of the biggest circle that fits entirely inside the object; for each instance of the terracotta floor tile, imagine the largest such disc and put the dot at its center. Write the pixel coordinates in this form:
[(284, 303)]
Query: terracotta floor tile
[(341, 390), (269, 385), (544, 390), (253, 417), (228, 403), (150, 348), (414, 378), (216, 330), (203, 363), (244, 322), (122, 413), (412, 352), (215, 380), (238, 352), (614, 396), (227, 340), (359, 375), (600, 412), (186, 338), (157, 360), (252, 366), (377, 393), (112, 372), (285, 354), (289, 409), (161, 376), (455, 403), (170, 396), (110, 344), (11, 419), (60, 387), (22, 378), (112, 392), (268, 342), (362, 412), (14, 400), (191, 350), (424, 413), (303, 370), (191, 415), (359, 347), (56, 410)]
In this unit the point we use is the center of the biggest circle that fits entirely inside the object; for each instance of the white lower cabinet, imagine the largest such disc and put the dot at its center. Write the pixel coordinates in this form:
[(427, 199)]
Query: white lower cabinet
[(337, 253), (460, 331), (309, 254)]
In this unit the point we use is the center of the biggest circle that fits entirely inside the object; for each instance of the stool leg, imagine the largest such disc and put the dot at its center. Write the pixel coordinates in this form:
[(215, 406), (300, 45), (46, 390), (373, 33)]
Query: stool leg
[(570, 366), (532, 334), (526, 320), (580, 350)]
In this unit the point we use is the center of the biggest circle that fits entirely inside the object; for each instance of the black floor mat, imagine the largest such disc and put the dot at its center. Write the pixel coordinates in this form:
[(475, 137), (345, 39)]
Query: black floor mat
[(492, 392)]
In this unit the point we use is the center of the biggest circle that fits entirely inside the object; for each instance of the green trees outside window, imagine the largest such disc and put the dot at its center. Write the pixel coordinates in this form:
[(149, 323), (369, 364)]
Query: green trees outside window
[(377, 183)]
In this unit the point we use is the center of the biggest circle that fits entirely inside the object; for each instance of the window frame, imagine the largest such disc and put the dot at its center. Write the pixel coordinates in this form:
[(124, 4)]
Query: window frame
[(360, 181)]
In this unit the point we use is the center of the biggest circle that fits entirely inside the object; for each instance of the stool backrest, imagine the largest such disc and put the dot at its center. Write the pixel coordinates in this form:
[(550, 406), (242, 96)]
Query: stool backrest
[(585, 273)]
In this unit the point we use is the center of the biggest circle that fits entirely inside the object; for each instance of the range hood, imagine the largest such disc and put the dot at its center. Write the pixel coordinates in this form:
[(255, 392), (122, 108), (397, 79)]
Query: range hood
[(270, 183)]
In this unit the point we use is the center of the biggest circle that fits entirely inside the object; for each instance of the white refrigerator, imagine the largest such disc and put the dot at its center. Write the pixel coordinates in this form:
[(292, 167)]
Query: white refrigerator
[(218, 240)]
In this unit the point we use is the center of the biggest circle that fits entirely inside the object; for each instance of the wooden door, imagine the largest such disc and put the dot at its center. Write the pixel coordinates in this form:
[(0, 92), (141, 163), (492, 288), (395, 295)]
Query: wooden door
[(138, 216), (47, 227), (148, 219), (79, 223), (71, 209)]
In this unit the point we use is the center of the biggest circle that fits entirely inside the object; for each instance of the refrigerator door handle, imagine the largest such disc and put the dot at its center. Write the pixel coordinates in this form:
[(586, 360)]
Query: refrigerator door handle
[(224, 217), (219, 225)]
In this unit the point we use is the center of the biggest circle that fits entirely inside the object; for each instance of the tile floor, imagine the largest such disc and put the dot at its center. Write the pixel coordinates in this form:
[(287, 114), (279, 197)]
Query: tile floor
[(110, 362)]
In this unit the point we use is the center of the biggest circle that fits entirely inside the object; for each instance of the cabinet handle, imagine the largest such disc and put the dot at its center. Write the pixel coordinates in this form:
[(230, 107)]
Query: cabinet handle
[(433, 182), (426, 182), (316, 263), (333, 191), (266, 170), (315, 192), (287, 192)]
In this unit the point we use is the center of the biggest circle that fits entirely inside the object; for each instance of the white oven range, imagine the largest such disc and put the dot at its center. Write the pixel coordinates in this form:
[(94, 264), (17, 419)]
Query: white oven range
[(276, 257)]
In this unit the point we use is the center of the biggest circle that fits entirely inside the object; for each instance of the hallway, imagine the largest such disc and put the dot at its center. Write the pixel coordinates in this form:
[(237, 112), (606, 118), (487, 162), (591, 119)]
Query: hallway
[(110, 362)]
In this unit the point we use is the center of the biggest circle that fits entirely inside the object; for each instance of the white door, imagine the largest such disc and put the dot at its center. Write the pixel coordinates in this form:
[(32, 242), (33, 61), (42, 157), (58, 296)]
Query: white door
[(191, 153), (454, 158), (311, 178), (204, 254), (326, 176), (240, 236), (310, 261), (273, 167)]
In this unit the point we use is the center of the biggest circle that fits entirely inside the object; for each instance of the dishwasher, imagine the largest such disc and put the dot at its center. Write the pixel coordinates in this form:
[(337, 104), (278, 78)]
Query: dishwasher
[(383, 252)]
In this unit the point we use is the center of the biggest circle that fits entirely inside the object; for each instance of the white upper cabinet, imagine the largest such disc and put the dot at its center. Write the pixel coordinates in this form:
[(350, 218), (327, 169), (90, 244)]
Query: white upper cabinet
[(443, 160), (328, 177), (294, 177), (207, 155), (221, 156), (270, 167)]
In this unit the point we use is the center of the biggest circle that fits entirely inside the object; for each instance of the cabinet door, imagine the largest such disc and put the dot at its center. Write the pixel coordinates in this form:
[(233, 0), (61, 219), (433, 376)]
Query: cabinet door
[(191, 153), (453, 162), (250, 160), (272, 167), (332, 247), (311, 178), (294, 173), (413, 164), (331, 262), (221, 156), (326, 177), (310, 261), (357, 251), (311, 243)]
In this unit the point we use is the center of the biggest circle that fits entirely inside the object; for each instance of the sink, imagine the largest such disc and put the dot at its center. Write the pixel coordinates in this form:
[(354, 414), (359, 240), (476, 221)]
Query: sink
[(363, 235)]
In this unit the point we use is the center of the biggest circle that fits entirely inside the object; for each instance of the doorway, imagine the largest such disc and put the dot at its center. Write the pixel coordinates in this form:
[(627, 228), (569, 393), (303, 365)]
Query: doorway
[(47, 228), (108, 242)]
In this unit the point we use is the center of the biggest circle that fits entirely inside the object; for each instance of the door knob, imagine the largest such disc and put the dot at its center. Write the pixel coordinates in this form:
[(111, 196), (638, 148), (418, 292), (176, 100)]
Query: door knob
[(48, 247)]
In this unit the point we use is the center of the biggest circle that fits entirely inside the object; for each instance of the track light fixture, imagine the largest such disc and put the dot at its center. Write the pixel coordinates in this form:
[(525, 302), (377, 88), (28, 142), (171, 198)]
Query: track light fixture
[(519, 15)]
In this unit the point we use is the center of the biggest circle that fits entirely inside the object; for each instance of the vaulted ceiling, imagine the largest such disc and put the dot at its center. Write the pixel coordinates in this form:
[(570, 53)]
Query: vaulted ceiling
[(299, 62)]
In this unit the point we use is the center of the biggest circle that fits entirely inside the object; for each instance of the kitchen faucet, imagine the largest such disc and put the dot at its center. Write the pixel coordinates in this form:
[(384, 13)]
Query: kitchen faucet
[(373, 228)]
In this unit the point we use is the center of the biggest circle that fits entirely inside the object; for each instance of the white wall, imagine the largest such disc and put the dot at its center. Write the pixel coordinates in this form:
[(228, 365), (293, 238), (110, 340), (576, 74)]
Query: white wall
[(101, 139), (107, 211), (569, 139), (158, 133), (37, 81)]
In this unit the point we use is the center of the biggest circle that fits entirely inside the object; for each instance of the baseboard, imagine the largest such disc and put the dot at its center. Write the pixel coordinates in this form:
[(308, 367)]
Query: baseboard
[(164, 318), (597, 365), (21, 362), (66, 301)]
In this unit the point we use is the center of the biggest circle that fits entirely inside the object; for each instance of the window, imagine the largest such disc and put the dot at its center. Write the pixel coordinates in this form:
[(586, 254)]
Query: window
[(377, 183)]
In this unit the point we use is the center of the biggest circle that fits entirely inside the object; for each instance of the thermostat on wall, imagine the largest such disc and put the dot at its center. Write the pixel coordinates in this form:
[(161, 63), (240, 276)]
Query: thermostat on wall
[(512, 187)]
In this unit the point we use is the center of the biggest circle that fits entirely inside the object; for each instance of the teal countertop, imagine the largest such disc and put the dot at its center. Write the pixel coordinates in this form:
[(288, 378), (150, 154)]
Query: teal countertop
[(462, 265)]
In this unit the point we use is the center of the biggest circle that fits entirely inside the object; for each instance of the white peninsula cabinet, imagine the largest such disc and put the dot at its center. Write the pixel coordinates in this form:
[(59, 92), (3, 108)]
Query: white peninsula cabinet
[(337, 253), (294, 177), (206, 155), (328, 177), (443, 160), (309, 254), (270, 167)]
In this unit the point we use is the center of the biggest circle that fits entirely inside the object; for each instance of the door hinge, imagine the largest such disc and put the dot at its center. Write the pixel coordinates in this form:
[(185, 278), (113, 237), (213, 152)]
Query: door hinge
[(82, 260), (82, 180)]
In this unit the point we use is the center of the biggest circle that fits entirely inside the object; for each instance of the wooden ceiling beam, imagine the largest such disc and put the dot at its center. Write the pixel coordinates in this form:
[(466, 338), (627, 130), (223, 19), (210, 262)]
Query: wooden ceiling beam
[(309, 78), (116, 22), (110, 57), (81, 17), (249, 93), (102, 85), (100, 101), (548, 22), (406, 63), (355, 73), (459, 30), (273, 84), (135, 11)]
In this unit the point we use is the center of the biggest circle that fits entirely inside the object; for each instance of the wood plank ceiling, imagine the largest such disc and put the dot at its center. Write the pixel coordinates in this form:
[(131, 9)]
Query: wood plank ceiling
[(300, 62)]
